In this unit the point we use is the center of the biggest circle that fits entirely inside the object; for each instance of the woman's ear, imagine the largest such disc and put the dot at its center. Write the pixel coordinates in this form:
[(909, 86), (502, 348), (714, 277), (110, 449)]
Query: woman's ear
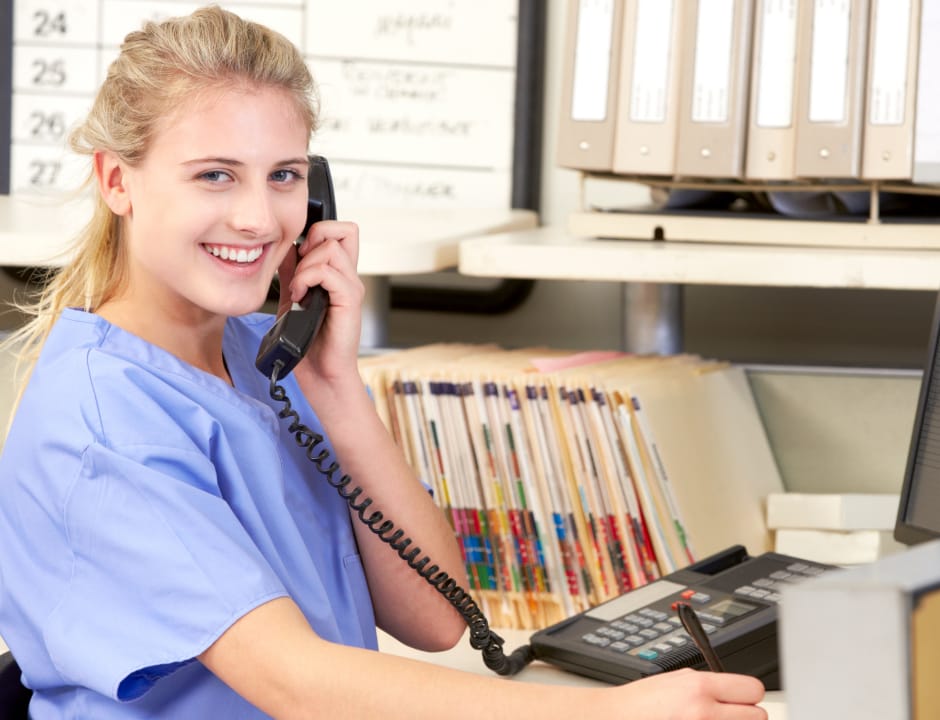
[(110, 176)]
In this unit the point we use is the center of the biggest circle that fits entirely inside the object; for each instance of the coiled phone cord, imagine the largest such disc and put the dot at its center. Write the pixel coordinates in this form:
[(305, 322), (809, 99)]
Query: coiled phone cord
[(481, 636)]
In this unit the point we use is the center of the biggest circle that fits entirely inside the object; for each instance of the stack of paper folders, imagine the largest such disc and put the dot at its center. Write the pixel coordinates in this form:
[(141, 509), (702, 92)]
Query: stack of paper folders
[(837, 529), (571, 477)]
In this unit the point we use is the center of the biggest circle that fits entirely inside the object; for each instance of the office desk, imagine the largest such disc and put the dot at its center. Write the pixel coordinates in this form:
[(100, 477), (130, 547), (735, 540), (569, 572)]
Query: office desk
[(463, 657), (397, 241)]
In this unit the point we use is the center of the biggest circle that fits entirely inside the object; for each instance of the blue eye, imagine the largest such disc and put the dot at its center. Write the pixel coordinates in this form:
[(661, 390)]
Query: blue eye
[(215, 176), (286, 175)]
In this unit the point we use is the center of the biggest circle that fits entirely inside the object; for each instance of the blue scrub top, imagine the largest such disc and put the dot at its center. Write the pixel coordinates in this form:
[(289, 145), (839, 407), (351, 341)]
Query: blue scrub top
[(145, 506)]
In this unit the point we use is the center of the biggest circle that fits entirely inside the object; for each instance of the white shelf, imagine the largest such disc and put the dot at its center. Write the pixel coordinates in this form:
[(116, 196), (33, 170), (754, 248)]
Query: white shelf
[(554, 253), (398, 241), (744, 228)]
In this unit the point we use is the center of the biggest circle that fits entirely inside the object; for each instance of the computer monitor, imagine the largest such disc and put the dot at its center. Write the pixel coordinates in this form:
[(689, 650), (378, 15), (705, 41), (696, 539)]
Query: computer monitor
[(919, 508)]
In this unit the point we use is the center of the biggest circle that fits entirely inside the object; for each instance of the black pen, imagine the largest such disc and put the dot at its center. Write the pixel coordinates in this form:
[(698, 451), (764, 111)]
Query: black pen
[(695, 630)]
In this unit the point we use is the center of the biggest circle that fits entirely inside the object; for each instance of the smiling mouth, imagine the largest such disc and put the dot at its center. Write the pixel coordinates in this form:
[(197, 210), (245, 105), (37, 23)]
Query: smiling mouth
[(232, 254)]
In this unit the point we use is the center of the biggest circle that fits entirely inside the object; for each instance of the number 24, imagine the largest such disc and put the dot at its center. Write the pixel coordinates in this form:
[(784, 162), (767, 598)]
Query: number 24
[(49, 23)]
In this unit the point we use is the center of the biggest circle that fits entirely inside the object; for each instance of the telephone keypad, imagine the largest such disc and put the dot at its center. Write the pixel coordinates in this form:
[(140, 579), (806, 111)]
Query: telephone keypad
[(734, 597), (767, 588), (650, 633), (650, 642)]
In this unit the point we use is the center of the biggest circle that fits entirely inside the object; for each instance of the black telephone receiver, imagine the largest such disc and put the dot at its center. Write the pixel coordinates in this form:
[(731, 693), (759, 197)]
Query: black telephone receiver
[(289, 338)]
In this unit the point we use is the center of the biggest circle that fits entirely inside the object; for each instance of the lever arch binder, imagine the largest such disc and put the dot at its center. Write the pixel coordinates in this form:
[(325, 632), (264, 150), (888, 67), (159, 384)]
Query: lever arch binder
[(888, 136), (771, 133), (833, 37), (648, 99), (713, 105), (927, 114), (589, 84)]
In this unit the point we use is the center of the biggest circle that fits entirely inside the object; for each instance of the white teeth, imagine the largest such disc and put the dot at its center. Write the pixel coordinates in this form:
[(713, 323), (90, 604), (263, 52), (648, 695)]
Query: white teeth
[(239, 255)]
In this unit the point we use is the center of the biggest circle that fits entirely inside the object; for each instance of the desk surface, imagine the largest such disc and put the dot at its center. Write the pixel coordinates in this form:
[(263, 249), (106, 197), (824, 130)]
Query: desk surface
[(463, 657), (554, 253), (397, 241)]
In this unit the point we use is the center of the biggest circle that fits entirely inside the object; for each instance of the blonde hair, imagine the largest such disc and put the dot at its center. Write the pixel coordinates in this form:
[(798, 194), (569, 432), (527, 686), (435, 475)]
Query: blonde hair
[(159, 67)]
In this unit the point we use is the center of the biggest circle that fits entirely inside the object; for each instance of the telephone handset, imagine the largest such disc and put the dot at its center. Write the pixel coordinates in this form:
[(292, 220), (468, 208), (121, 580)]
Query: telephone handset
[(290, 336)]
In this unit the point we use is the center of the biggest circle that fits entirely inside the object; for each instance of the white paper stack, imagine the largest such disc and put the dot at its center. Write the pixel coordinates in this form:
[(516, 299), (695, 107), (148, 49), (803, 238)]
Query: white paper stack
[(837, 529)]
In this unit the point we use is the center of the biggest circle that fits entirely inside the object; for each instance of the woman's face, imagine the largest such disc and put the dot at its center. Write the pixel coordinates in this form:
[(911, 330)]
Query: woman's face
[(216, 204)]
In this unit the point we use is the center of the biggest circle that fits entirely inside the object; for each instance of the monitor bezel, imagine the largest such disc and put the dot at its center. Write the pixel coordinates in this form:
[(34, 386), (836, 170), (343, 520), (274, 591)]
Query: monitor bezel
[(905, 531)]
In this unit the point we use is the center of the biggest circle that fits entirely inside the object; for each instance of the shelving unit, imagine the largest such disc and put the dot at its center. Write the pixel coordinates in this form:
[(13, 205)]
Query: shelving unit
[(653, 253)]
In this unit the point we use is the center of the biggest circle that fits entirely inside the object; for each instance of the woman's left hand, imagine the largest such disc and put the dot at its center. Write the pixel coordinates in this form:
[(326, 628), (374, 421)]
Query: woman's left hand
[(328, 257)]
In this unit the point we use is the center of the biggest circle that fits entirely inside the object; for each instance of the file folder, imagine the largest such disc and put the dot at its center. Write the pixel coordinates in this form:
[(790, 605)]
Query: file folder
[(713, 103), (771, 134), (590, 81), (888, 137), (648, 99), (833, 37)]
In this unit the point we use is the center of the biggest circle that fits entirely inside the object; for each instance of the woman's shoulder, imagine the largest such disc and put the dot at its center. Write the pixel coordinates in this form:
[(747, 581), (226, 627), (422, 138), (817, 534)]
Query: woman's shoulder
[(86, 350), (112, 379)]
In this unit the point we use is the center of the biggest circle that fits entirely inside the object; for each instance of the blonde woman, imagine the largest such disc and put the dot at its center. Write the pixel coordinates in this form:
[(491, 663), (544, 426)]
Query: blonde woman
[(166, 548)]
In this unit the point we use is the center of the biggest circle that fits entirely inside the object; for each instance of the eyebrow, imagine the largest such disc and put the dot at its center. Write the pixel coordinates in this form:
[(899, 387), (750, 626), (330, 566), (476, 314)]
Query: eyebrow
[(238, 163)]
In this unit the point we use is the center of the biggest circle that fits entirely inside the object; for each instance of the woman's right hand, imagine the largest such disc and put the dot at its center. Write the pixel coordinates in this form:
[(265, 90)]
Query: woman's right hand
[(692, 695)]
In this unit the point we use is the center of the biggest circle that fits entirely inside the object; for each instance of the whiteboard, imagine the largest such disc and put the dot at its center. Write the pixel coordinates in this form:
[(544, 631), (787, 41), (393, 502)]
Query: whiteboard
[(417, 96)]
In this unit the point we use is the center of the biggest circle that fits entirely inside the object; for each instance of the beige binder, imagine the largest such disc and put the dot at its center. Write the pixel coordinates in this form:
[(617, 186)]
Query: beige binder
[(891, 90), (771, 133), (648, 100), (927, 115), (713, 103), (833, 39), (589, 84)]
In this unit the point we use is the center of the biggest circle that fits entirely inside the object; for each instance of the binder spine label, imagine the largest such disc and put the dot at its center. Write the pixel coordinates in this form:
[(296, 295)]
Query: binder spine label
[(889, 62), (713, 47), (776, 63), (593, 45), (649, 84), (828, 91)]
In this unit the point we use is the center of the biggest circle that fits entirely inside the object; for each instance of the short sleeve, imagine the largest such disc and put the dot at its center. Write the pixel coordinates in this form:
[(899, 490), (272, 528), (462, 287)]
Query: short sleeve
[(162, 566)]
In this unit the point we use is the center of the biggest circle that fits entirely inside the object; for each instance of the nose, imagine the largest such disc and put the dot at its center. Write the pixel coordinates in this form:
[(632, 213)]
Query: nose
[(253, 212)]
